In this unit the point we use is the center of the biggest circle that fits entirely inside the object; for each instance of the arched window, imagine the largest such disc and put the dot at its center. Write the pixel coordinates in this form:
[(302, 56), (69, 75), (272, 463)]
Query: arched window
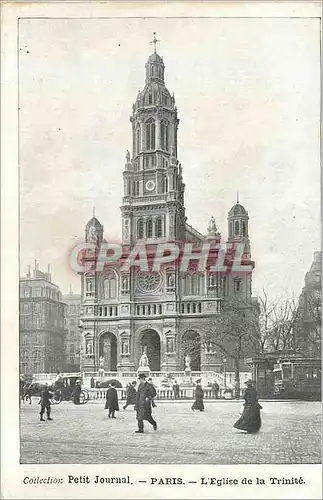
[(140, 229), (236, 227), (231, 230), (164, 135), (138, 137), (110, 287), (149, 228), (159, 227), (136, 188), (243, 228), (150, 134), (192, 284), (150, 97)]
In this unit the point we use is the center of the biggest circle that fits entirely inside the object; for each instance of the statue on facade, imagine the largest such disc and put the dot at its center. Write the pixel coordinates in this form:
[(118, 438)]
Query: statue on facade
[(171, 282), (127, 156), (101, 363), (89, 347), (187, 363), (212, 226), (92, 235), (144, 362)]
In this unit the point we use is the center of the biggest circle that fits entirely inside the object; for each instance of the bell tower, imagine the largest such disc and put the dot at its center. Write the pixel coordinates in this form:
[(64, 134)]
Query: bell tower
[(153, 203)]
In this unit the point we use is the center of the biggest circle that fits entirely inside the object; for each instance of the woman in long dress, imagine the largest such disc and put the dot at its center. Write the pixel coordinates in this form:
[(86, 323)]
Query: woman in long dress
[(250, 419), (199, 394)]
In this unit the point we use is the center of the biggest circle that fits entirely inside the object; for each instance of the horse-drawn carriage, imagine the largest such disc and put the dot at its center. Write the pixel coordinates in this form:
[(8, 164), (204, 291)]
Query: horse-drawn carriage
[(62, 389)]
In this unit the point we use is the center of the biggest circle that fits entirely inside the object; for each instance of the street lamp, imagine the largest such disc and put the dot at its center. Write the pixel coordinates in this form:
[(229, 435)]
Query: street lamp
[(224, 372)]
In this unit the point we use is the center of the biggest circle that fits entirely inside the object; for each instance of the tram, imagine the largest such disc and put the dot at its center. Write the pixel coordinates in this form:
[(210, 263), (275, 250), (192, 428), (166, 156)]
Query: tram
[(298, 378)]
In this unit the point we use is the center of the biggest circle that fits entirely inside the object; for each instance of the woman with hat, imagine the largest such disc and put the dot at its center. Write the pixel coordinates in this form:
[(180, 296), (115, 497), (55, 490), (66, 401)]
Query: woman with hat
[(250, 419), (199, 394)]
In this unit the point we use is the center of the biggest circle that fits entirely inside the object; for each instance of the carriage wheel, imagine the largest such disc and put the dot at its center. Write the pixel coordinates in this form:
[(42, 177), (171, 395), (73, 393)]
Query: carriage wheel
[(84, 397)]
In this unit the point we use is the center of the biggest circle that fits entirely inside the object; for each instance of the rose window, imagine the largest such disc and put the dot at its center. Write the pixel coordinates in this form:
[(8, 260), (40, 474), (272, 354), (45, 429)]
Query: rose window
[(148, 282)]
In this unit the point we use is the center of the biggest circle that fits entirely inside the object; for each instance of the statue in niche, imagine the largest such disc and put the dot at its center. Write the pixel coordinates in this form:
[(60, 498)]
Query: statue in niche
[(89, 347), (171, 282), (187, 362), (144, 362), (101, 362), (92, 236)]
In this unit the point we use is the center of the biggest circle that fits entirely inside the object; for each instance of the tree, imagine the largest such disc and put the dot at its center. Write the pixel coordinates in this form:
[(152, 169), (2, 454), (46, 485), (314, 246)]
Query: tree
[(234, 334), (281, 324)]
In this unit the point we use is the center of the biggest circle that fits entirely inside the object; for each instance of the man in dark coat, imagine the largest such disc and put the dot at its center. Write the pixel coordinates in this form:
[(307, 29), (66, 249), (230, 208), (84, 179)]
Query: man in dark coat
[(150, 381), (176, 390), (199, 394), (92, 383), (45, 398), (77, 393), (131, 394), (145, 396), (215, 389), (112, 400)]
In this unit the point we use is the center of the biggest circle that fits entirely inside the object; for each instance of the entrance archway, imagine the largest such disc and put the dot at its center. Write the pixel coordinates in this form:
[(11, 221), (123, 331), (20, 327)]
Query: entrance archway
[(191, 345), (108, 350), (150, 339)]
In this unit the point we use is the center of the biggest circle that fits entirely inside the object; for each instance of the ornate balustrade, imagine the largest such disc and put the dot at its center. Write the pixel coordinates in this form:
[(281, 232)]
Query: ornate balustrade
[(163, 394)]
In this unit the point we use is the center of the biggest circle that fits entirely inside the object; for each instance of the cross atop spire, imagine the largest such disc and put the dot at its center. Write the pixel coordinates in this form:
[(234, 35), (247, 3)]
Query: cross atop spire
[(154, 41), (93, 212), (237, 196)]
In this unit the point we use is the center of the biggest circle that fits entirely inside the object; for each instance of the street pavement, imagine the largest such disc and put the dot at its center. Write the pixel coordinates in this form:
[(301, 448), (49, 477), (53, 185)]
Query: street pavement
[(290, 434)]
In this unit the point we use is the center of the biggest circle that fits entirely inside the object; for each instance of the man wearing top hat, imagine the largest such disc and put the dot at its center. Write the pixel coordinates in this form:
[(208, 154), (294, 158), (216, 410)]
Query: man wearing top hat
[(145, 396)]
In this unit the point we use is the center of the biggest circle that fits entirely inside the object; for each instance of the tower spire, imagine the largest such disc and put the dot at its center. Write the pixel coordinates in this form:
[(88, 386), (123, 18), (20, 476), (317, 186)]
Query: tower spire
[(237, 196), (155, 41), (93, 212)]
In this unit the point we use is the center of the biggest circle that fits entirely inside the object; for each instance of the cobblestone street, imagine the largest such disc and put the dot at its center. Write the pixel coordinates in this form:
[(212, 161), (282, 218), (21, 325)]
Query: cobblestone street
[(291, 433)]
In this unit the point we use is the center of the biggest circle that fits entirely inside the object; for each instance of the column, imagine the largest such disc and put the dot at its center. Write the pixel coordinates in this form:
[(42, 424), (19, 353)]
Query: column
[(142, 136), (157, 133)]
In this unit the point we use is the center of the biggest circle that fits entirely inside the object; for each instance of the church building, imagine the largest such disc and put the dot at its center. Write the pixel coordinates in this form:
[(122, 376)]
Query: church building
[(125, 313)]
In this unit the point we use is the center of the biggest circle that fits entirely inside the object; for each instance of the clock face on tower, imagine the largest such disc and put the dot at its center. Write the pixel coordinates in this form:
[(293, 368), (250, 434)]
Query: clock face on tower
[(150, 185)]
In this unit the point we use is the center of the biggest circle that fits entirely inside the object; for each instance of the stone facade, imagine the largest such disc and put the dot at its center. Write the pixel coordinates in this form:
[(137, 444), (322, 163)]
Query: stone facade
[(125, 311), (307, 331), (73, 337), (42, 324)]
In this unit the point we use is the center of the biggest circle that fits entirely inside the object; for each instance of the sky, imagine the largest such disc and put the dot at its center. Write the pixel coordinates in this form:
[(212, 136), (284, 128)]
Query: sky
[(248, 99)]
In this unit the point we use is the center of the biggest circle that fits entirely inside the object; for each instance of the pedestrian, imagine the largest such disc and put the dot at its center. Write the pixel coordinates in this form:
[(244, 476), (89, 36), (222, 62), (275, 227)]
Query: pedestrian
[(131, 394), (250, 419), (111, 403), (199, 394), (176, 390), (27, 393), (150, 381), (44, 401), (92, 383), (215, 389), (22, 384), (145, 396), (77, 393)]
